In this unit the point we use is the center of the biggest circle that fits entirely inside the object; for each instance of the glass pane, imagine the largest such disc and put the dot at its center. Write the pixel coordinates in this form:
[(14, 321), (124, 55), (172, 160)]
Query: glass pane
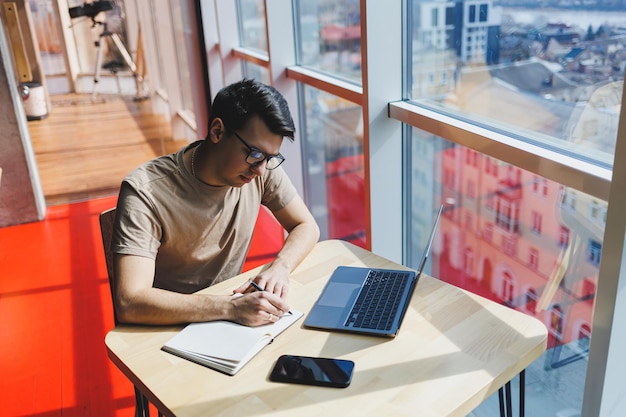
[(156, 78), (45, 23), (253, 33), (329, 37), (181, 20), (520, 240), (333, 158), (256, 72), (548, 75)]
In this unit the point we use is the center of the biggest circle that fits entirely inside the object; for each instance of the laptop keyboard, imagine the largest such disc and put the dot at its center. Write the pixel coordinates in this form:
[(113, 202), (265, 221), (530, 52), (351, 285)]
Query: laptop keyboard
[(378, 301)]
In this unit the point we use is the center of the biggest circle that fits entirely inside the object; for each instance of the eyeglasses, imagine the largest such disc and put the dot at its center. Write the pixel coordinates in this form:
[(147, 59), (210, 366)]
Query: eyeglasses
[(257, 156)]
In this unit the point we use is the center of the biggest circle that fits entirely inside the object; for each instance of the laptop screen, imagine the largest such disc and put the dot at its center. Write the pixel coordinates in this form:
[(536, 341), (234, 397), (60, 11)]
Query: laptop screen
[(430, 241)]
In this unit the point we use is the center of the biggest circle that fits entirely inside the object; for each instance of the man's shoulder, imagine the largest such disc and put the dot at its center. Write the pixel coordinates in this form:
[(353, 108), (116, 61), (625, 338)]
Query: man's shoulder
[(154, 170), (277, 189)]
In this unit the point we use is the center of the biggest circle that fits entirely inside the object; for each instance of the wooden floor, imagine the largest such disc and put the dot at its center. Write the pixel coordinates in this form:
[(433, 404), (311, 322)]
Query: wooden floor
[(85, 147)]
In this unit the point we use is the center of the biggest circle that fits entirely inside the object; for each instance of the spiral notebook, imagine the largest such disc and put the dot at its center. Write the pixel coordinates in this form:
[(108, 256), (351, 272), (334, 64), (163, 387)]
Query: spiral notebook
[(226, 346)]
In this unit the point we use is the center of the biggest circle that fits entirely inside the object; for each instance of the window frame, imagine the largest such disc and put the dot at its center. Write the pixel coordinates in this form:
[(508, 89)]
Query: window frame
[(388, 119), (567, 170)]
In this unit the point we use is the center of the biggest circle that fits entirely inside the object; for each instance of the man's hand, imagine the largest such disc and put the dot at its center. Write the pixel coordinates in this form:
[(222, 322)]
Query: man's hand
[(274, 279), (258, 308)]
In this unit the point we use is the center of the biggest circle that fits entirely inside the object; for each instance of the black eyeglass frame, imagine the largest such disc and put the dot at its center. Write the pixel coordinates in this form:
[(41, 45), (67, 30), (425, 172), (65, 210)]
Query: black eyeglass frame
[(256, 156)]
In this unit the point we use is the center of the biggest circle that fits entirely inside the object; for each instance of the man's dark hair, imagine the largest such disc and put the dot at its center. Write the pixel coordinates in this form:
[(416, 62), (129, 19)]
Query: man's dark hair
[(236, 103)]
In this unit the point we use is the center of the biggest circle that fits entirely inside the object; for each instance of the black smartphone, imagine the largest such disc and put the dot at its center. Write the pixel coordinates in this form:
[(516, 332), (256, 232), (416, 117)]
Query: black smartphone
[(325, 372)]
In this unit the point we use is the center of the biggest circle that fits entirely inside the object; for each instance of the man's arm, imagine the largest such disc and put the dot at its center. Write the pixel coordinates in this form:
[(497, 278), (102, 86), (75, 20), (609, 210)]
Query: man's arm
[(137, 301), (303, 234)]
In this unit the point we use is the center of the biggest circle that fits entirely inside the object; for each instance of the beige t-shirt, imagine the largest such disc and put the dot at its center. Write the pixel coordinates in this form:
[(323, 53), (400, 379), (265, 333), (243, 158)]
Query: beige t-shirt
[(198, 234)]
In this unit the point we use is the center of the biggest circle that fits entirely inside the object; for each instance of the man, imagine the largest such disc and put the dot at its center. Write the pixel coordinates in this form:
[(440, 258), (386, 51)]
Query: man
[(185, 221)]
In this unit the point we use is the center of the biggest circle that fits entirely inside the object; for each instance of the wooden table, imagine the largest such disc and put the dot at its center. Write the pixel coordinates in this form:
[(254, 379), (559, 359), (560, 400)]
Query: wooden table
[(453, 351)]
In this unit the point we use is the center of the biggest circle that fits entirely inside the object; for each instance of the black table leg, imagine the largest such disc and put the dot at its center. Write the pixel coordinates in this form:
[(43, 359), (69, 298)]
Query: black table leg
[(504, 397)]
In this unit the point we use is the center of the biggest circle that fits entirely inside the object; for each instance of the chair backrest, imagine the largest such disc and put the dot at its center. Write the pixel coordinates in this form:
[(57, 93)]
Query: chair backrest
[(107, 220)]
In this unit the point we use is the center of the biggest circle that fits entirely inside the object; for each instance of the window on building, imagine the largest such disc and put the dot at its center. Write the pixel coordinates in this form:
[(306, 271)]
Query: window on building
[(533, 258), (507, 215), (536, 219), (540, 186), (483, 16), (472, 14), (584, 336), (508, 289), (569, 199), (594, 250), (531, 300), (556, 321), (450, 14), (564, 236)]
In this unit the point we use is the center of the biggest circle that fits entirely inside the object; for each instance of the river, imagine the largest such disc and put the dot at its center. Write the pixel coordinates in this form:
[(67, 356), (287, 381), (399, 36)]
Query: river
[(580, 18)]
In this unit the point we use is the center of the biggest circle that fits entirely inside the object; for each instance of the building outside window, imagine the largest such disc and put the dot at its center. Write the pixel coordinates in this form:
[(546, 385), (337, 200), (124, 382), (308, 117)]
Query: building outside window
[(543, 78)]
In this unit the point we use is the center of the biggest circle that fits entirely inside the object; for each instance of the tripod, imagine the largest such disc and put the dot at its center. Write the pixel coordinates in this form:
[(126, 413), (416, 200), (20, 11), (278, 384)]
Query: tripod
[(114, 66)]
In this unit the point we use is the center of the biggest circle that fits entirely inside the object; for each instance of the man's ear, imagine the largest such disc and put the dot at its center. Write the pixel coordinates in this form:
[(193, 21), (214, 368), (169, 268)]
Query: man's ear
[(216, 130)]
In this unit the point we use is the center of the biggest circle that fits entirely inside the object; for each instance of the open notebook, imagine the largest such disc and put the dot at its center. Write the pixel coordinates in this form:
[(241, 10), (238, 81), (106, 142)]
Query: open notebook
[(226, 346)]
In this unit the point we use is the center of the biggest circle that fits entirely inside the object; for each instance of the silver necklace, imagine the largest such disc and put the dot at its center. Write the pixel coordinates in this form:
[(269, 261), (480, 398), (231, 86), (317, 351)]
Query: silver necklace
[(193, 161)]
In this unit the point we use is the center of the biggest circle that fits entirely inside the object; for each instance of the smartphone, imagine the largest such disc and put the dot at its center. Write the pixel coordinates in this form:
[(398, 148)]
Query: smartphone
[(325, 372)]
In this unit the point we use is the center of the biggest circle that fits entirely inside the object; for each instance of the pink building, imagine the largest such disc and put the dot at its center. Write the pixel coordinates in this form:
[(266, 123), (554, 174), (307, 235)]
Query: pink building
[(515, 238)]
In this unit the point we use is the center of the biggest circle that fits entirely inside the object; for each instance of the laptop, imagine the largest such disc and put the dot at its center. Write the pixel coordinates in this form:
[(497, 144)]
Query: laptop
[(369, 301)]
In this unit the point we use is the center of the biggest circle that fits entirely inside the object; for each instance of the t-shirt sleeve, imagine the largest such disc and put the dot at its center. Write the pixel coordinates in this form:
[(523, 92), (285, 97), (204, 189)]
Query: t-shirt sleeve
[(278, 190), (137, 229)]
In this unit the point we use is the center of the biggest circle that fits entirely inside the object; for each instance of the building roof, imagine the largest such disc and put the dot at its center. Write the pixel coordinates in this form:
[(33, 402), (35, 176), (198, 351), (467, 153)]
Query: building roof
[(333, 33)]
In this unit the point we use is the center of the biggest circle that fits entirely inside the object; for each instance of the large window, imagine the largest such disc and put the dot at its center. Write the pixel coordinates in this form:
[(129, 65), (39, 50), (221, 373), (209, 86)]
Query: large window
[(509, 109)]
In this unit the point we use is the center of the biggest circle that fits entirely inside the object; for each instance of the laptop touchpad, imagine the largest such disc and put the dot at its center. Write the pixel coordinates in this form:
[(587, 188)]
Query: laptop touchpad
[(337, 294)]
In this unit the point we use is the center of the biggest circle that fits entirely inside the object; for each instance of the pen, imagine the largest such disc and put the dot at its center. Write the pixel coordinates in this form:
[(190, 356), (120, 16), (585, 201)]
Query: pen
[(256, 287)]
